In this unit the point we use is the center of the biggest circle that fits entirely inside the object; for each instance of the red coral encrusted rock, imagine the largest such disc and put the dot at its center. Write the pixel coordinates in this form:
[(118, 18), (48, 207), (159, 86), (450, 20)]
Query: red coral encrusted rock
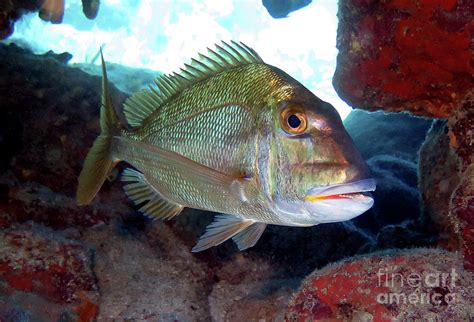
[(422, 284), (404, 55), (45, 276)]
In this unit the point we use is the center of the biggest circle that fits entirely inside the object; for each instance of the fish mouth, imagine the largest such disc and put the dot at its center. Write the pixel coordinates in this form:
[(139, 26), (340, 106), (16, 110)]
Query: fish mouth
[(356, 190)]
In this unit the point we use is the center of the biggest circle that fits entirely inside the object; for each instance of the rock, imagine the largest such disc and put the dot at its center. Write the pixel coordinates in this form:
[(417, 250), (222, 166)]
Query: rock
[(416, 57), (281, 8), (404, 55), (461, 135), (45, 276), (438, 169), (90, 8), (421, 284), (250, 288), (48, 10), (46, 129), (447, 180), (148, 276), (11, 11)]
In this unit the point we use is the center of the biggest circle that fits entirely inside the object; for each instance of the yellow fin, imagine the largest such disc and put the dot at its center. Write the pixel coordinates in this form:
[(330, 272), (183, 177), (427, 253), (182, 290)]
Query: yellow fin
[(98, 163), (96, 168), (140, 190), (143, 103)]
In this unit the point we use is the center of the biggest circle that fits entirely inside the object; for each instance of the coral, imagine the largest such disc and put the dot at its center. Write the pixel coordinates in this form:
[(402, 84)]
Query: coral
[(405, 55), (38, 265), (415, 56), (422, 284)]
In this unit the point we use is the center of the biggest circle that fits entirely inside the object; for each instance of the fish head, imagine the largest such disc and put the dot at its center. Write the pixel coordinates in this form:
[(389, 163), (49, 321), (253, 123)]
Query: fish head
[(318, 174)]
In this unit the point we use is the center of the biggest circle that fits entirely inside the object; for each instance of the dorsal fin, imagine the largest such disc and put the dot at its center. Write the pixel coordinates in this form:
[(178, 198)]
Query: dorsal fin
[(140, 105)]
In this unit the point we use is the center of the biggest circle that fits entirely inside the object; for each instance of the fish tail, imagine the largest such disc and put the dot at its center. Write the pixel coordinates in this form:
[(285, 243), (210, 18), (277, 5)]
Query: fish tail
[(99, 162)]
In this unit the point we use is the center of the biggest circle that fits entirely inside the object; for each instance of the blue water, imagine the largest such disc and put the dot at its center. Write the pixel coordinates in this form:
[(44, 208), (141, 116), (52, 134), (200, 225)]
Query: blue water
[(162, 35)]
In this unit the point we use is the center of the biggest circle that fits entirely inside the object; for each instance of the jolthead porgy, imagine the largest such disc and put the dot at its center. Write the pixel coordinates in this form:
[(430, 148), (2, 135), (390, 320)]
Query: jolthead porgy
[(230, 134)]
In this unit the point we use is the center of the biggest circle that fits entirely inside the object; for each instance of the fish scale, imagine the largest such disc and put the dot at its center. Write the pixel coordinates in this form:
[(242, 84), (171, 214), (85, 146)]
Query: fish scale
[(211, 123)]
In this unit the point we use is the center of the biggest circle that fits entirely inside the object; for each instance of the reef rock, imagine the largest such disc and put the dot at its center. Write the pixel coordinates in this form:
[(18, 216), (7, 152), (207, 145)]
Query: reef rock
[(45, 276), (461, 135), (48, 10), (147, 275), (439, 177), (447, 180), (46, 128), (405, 55), (422, 284), (416, 56), (11, 11)]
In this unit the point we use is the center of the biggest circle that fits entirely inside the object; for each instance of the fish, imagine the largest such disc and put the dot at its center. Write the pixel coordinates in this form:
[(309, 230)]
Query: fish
[(230, 134)]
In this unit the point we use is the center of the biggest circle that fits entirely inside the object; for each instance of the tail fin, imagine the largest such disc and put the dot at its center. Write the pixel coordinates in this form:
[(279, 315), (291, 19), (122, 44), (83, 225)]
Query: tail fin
[(98, 163)]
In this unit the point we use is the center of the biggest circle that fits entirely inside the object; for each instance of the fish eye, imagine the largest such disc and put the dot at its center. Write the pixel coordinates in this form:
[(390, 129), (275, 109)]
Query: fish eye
[(293, 120)]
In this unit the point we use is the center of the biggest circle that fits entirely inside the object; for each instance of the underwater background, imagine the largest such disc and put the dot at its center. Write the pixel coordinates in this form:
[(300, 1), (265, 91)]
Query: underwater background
[(400, 77)]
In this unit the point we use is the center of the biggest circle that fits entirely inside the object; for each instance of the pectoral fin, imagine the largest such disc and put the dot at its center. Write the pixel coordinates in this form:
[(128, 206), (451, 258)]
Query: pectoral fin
[(222, 228), (249, 237), (140, 191)]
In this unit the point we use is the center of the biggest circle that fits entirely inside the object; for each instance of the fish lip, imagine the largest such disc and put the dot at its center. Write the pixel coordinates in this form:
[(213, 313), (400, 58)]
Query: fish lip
[(355, 190)]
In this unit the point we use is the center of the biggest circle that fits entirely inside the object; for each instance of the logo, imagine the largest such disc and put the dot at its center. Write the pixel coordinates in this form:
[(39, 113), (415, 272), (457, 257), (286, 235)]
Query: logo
[(416, 288)]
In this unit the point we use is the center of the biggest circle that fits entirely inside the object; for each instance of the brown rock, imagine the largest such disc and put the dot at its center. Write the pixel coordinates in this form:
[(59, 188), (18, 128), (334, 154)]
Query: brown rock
[(438, 178), (447, 180), (144, 282)]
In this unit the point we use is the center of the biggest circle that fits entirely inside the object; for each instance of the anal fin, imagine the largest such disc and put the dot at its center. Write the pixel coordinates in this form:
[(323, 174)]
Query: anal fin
[(221, 229), (249, 236), (141, 191)]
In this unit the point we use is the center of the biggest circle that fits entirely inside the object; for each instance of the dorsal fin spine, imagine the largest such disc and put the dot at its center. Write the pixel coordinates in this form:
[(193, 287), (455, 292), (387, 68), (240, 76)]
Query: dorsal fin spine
[(236, 52), (142, 104), (194, 70), (234, 60), (215, 57), (164, 86), (200, 64)]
